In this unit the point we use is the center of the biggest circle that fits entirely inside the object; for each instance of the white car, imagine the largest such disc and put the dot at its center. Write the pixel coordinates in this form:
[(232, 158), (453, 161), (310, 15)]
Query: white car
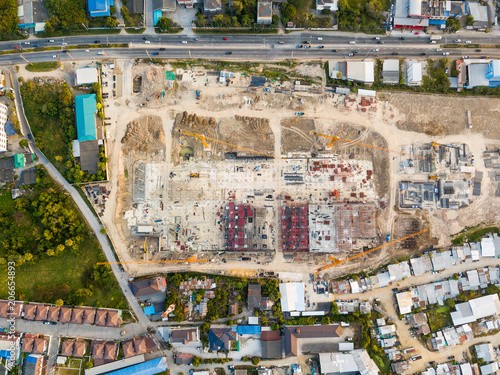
[(147, 42), (375, 50), (26, 42), (445, 53), (320, 38), (51, 41), (87, 50), (54, 57), (458, 41), (352, 42), (184, 42), (377, 38), (468, 42)]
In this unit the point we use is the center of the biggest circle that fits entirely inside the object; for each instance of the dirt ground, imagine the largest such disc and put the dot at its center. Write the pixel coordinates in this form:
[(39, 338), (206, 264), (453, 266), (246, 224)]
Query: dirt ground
[(144, 136), (424, 113)]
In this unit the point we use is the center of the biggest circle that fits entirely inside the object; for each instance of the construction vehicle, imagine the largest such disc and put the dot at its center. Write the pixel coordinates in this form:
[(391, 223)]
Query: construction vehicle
[(336, 262), (193, 259), (436, 176), (194, 175), (299, 113), (198, 95), (206, 147), (334, 139), (388, 238)]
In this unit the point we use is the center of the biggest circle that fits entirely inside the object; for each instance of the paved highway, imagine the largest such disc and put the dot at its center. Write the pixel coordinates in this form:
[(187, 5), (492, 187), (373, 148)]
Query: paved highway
[(244, 47)]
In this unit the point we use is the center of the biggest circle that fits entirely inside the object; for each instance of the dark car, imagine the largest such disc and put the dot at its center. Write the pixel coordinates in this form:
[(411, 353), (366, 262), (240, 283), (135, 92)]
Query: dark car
[(478, 50), (451, 357), (482, 57), (36, 45), (334, 50), (395, 53), (163, 49), (229, 53), (356, 51), (97, 41), (422, 54), (155, 53), (403, 38), (144, 38), (305, 42), (380, 42), (321, 46)]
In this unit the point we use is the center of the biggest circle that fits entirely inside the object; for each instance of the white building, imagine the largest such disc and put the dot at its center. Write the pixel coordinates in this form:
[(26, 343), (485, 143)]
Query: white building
[(292, 297), (356, 362), (413, 73), (360, 71), (85, 76), (475, 309), (332, 5), (3, 121), (405, 302)]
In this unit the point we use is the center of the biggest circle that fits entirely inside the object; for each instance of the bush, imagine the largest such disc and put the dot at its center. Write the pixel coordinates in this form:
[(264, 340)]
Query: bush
[(255, 361)]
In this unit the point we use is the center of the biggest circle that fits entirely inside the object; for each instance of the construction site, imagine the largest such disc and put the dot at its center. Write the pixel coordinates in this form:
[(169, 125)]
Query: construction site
[(233, 170)]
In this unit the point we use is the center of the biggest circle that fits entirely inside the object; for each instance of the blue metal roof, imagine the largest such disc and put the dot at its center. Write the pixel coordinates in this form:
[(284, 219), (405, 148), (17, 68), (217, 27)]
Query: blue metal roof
[(99, 8), (31, 359), (146, 368), (5, 354), (149, 310), (157, 14), (248, 330), (86, 108)]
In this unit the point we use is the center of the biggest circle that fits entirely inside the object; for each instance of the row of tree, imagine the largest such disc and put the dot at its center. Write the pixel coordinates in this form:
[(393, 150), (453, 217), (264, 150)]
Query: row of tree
[(8, 19)]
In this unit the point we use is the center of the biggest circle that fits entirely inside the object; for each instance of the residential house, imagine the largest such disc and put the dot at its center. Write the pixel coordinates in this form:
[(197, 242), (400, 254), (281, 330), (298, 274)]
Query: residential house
[(355, 362), (27, 345), (331, 5), (413, 73), (77, 316), (113, 319), (221, 338), (135, 6), (234, 309), (148, 287), (212, 7), (101, 317), (264, 12), (154, 366), (103, 352), (42, 312), (162, 6), (99, 8), (39, 346), (485, 352), (295, 336), (35, 364), (89, 315), (9, 341), (53, 315), (272, 345), (184, 359), (30, 312), (74, 348), (65, 315), (184, 336), (137, 346)]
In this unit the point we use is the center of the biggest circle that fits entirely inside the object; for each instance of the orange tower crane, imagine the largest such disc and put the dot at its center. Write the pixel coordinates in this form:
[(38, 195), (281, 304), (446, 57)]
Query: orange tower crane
[(337, 262), (204, 140), (334, 139)]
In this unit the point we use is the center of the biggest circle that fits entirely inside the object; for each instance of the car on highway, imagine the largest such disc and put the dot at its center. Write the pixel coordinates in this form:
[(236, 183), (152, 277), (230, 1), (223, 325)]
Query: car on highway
[(355, 51), (438, 49), (482, 57), (352, 42), (87, 50), (334, 50), (380, 42), (163, 49), (432, 42), (377, 38), (321, 47), (307, 46), (281, 42), (446, 53), (184, 42), (458, 40), (320, 38), (306, 42), (26, 42), (465, 57), (97, 41), (478, 50), (375, 50), (147, 42), (403, 38), (395, 53), (422, 54), (36, 45), (51, 40), (229, 53), (225, 38), (350, 54), (155, 53), (468, 42), (64, 44), (16, 47), (55, 56)]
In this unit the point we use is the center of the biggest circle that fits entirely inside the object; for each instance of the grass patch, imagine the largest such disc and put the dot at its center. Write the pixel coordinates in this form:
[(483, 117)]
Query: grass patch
[(71, 275), (439, 320), (43, 66), (67, 371), (442, 310), (79, 32), (133, 30), (474, 235), (382, 362), (169, 31)]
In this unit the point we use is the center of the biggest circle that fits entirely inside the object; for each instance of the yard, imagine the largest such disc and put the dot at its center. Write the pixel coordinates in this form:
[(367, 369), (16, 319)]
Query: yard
[(439, 318), (43, 66), (70, 275)]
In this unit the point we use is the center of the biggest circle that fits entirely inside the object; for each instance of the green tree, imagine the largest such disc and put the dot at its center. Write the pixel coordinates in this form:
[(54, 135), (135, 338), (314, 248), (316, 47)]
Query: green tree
[(289, 12), (103, 230), (469, 21), (66, 14), (23, 143), (449, 302), (111, 22), (164, 23), (124, 11), (59, 302), (453, 25), (237, 7), (196, 361), (325, 11), (246, 21), (275, 20), (8, 18), (201, 22), (255, 361)]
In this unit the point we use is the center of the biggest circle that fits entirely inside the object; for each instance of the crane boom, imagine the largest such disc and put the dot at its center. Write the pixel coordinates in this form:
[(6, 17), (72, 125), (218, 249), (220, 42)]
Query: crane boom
[(334, 139), (204, 140), (337, 262)]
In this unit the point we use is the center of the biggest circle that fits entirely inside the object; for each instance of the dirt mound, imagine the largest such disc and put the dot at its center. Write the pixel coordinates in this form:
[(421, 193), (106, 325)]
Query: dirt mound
[(144, 135)]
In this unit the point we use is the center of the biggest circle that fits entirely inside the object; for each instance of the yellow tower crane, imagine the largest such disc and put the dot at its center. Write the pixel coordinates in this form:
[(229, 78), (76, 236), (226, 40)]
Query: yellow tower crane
[(334, 139)]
